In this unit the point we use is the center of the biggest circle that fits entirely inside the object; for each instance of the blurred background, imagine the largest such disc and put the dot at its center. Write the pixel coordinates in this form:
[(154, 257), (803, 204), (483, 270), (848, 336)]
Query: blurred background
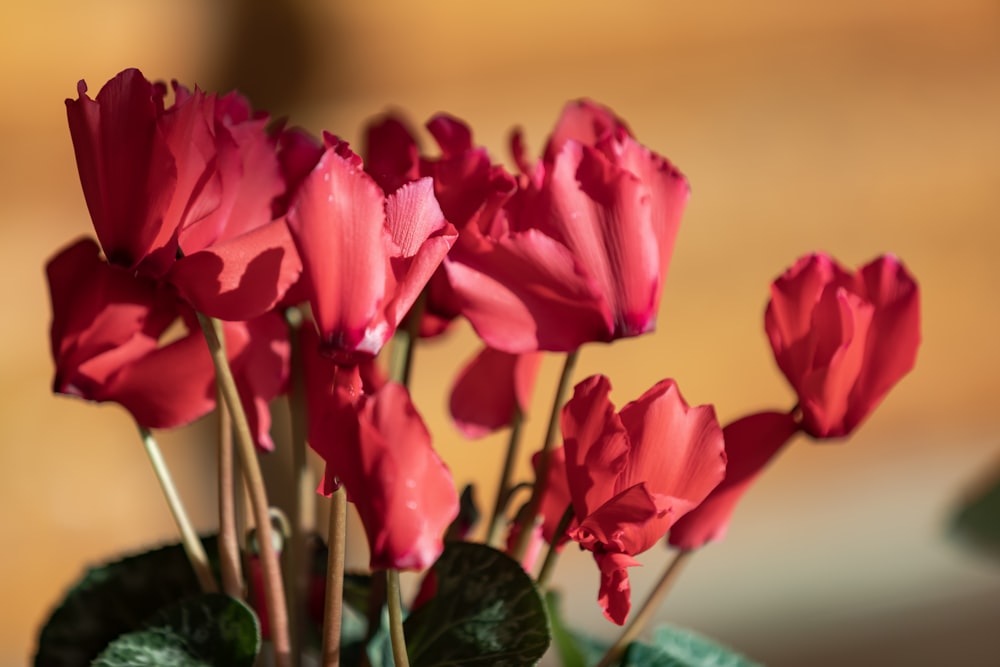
[(851, 127)]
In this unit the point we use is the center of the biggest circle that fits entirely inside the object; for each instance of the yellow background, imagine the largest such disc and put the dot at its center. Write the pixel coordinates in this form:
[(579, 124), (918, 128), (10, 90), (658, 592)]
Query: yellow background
[(852, 127)]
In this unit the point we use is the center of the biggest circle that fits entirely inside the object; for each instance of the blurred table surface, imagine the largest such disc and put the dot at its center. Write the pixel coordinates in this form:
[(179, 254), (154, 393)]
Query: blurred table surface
[(853, 127)]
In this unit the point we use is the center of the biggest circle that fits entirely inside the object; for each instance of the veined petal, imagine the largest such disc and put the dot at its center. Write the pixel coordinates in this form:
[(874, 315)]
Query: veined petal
[(526, 292), (678, 450), (241, 278), (596, 443), (338, 223), (751, 443), (126, 169), (604, 215)]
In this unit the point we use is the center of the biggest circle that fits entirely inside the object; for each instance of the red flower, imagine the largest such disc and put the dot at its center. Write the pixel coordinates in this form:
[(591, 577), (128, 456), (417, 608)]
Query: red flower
[(106, 337), (842, 339), (378, 447), (366, 256), (490, 389), (751, 443), (198, 176), (579, 253), (633, 474)]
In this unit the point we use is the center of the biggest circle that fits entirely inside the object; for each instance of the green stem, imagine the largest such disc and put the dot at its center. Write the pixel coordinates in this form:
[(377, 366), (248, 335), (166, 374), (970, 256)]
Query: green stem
[(649, 607), (192, 545), (553, 554), (396, 619), (229, 546), (274, 590), (503, 491), (333, 611), (298, 565), (542, 477)]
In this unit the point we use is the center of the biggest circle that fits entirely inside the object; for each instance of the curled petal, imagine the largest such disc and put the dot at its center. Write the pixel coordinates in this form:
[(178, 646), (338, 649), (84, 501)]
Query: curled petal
[(615, 595), (751, 443)]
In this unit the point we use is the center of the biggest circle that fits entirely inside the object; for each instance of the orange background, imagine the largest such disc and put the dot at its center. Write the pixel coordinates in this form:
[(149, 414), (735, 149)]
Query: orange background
[(852, 127)]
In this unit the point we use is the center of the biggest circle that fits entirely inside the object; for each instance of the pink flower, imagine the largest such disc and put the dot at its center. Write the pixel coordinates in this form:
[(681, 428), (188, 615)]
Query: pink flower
[(106, 338), (580, 251), (366, 256), (632, 474), (491, 389), (843, 339), (199, 176), (378, 447), (751, 443)]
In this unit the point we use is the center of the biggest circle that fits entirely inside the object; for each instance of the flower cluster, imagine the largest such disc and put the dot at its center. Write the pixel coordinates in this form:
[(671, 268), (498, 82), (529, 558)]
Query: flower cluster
[(203, 209)]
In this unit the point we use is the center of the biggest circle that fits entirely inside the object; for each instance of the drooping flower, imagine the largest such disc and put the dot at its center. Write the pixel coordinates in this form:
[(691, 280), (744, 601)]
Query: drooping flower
[(751, 443), (366, 256), (603, 211), (632, 474), (107, 340), (195, 179), (843, 339), (377, 446), (491, 388)]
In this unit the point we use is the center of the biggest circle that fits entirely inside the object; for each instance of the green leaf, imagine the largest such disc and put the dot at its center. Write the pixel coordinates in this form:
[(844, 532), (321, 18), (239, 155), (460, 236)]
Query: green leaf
[(113, 599), (676, 647), (212, 629), (574, 650), (486, 611), (977, 524)]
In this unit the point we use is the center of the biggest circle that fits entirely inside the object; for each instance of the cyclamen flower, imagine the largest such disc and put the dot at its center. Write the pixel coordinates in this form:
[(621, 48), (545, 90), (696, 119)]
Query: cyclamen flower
[(632, 474), (366, 256), (377, 446), (106, 335), (198, 177), (843, 339), (580, 251)]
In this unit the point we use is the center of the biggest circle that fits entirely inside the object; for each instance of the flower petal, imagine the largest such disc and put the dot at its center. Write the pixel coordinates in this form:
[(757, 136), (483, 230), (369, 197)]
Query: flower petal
[(615, 593), (490, 389), (751, 443)]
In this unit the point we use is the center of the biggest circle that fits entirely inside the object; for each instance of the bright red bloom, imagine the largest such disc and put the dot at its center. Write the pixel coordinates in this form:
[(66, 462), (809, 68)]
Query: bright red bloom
[(106, 338), (378, 447), (843, 339), (751, 443), (632, 474), (366, 256), (199, 176), (491, 388), (580, 251)]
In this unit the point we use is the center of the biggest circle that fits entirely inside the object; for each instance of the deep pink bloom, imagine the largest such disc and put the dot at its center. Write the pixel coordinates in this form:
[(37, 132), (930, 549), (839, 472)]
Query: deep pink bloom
[(378, 447), (199, 176), (366, 256), (491, 388), (580, 251), (107, 339), (632, 474), (843, 339), (751, 443)]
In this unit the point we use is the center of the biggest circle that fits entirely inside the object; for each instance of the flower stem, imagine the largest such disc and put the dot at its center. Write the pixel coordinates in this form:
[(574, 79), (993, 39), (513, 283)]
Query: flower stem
[(333, 611), (192, 545), (542, 478), (396, 619), (553, 554), (298, 563), (229, 546), (504, 490), (273, 587), (649, 607)]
